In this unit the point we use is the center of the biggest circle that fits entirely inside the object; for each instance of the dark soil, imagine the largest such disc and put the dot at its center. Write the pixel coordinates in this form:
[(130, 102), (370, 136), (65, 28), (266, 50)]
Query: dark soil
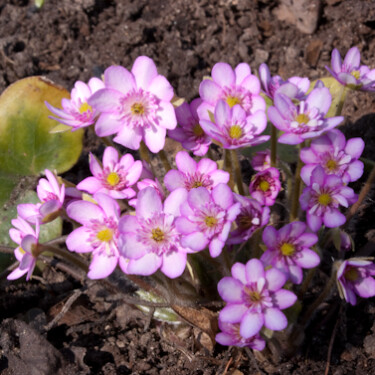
[(69, 40)]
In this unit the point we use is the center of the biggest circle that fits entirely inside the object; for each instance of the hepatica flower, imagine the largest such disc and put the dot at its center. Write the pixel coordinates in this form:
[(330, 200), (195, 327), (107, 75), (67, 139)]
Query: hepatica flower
[(261, 160), (192, 174), (150, 239), (350, 72), (206, 218), (355, 277), (305, 119), (265, 186), (335, 155), (233, 128), (76, 112), (115, 177), (254, 298), (27, 252), (190, 133), (98, 233), (135, 105), (51, 195), (288, 249), (236, 86), (322, 199)]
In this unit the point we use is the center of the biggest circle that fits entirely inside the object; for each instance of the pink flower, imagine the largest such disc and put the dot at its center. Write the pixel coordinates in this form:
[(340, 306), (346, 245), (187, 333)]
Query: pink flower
[(98, 233), (76, 112), (236, 86), (192, 174), (355, 277), (190, 133), (335, 155), (150, 241), (135, 105), (261, 160), (27, 251), (51, 195), (288, 249), (206, 218), (233, 128), (305, 119), (265, 186), (254, 298), (116, 176)]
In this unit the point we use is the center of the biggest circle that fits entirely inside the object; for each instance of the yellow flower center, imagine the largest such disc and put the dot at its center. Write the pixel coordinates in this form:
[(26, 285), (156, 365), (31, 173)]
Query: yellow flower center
[(351, 274), (232, 101), (264, 185), (197, 130), (355, 74), (210, 221), (235, 132), (287, 249), (113, 179), (324, 199), (157, 235), (255, 296), (105, 235), (197, 184), (331, 165), (302, 118), (84, 108), (137, 109)]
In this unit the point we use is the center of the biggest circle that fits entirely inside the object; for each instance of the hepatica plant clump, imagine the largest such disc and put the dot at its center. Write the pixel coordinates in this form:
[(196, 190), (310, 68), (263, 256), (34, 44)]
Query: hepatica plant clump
[(188, 231)]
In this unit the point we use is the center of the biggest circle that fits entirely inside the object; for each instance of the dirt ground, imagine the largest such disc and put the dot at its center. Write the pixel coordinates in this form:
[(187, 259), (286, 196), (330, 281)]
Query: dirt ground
[(69, 40)]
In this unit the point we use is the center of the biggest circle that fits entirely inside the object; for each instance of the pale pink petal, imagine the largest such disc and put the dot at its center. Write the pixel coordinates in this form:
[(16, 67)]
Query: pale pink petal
[(216, 246), (239, 272), (251, 324), (174, 200), (223, 75), (148, 203), (110, 157), (254, 270), (252, 84), (101, 266), (185, 226), (84, 212), (95, 166), (275, 279), (128, 223), (145, 266), (232, 313), (274, 319), (79, 240), (155, 138), (230, 290), (195, 241), (144, 71), (161, 88), (119, 78), (106, 100), (209, 91), (107, 124), (185, 163), (223, 196), (129, 137), (354, 147), (129, 247), (90, 184), (108, 204), (174, 180), (242, 70), (166, 116), (173, 264), (284, 298), (307, 259)]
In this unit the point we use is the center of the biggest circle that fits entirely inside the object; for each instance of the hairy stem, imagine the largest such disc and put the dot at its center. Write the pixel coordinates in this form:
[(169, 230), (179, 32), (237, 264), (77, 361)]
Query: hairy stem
[(296, 189), (273, 146), (236, 167)]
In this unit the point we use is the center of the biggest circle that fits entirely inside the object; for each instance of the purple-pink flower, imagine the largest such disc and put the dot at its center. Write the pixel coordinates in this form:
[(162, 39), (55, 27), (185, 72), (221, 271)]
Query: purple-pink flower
[(206, 218), (261, 160), (234, 128), (254, 298), (76, 112), (355, 277), (115, 177), (265, 186), (335, 155), (192, 174), (190, 133), (150, 240), (98, 233), (305, 119), (236, 86), (350, 72), (288, 249), (27, 252), (135, 105), (323, 197)]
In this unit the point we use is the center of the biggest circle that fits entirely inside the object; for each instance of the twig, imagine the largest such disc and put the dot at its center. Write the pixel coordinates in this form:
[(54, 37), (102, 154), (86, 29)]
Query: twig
[(253, 360)]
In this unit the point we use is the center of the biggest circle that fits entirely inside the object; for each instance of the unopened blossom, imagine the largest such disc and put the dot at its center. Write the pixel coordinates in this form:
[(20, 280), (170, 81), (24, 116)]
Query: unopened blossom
[(355, 277), (206, 218), (350, 72), (51, 194), (289, 249), (115, 177), (189, 132), (149, 240), (265, 186), (294, 87), (233, 128), (27, 239), (135, 105), (336, 155), (322, 199), (236, 86), (98, 233), (76, 111), (261, 160), (252, 216), (192, 174), (230, 336), (304, 120), (255, 298)]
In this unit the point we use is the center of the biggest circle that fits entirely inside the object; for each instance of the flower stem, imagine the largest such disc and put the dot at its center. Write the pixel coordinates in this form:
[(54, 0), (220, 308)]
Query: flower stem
[(228, 168), (273, 146), (164, 159), (296, 189), (144, 154), (236, 167), (340, 104)]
